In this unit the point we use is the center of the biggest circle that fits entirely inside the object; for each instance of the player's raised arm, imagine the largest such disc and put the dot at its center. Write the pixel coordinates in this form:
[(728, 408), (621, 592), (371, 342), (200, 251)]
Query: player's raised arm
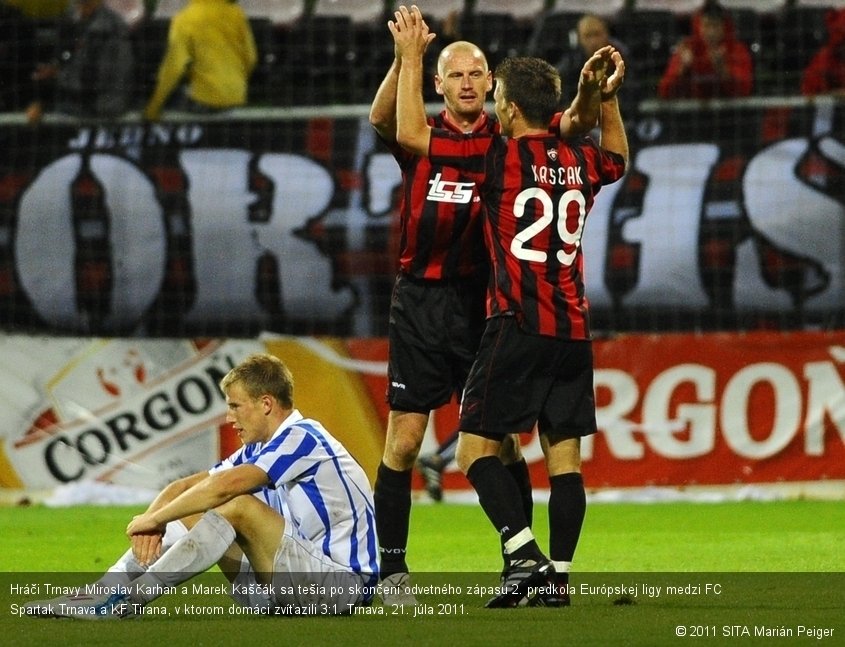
[(583, 113), (411, 37), (613, 135), (383, 109)]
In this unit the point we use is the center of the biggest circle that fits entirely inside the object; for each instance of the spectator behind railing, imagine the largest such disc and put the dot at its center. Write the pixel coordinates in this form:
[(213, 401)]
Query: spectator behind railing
[(709, 63), (210, 42), (91, 74), (825, 74)]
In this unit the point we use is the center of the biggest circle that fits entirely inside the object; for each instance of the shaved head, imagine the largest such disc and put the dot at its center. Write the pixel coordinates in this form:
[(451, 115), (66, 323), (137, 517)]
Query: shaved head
[(459, 48)]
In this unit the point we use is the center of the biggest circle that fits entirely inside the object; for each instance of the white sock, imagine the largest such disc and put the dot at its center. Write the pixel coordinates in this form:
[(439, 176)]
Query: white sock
[(197, 551), (127, 568), (518, 540), (562, 567), (122, 572), (174, 531)]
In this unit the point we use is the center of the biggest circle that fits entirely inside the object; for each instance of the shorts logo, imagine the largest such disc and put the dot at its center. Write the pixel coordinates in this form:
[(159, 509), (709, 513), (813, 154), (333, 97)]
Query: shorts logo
[(446, 191), (397, 385), (468, 407)]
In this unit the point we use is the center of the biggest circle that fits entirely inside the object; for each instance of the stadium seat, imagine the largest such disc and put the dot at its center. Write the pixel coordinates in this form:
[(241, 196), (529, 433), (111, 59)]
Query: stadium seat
[(149, 42), (760, 6), (281, 13), (553, 35), (264, 80), (132, 11), (681, 7), (650, 36), (433, 10), (607, 8), (520, 11), (319, 59), (358, 11), (800, 32), (501, 28), (496, 34), (166, 9), (369, 48), (820, 4)]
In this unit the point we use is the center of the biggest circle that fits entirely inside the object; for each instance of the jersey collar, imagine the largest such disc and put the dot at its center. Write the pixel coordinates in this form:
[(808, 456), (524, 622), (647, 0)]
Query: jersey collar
[(480, 125)]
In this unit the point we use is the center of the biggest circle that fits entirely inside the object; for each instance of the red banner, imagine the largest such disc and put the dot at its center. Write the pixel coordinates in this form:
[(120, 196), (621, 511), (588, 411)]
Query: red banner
[(718, 409), (680, 410)]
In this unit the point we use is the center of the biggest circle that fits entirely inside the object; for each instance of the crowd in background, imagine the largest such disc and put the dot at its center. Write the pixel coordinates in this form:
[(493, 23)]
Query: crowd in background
[(101, 58)]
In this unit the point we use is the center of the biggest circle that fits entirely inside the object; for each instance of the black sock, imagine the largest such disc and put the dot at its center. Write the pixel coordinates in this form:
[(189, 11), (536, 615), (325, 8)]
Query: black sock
[(567, 507), (392, 498), (500, 499), (519, 472)]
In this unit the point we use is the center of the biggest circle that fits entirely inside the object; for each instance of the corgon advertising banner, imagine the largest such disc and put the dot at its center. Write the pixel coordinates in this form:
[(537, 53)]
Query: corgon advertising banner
[(118, 411), (672, 410), (731, 213), (718, 409)]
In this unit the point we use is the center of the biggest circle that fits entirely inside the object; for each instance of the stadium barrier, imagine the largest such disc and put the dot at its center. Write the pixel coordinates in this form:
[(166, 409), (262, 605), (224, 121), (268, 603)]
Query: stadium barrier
[(732, 217), (673, 410)]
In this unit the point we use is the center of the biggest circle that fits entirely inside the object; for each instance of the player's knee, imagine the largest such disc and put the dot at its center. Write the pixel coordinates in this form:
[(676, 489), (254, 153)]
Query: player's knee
[(405, 433), (402, 452), (235, 510), (562, 456), (465, 456)]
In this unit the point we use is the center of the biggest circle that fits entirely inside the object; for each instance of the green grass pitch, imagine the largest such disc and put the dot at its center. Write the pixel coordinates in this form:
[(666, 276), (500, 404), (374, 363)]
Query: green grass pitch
[(779, 568)]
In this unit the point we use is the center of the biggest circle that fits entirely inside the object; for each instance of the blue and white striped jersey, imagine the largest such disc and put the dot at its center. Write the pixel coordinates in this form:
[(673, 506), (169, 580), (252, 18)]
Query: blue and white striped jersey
[(320, 490)]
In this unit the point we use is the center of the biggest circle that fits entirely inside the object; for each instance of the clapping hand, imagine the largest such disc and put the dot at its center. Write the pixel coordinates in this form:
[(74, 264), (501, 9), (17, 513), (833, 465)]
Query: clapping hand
[(410, 32)]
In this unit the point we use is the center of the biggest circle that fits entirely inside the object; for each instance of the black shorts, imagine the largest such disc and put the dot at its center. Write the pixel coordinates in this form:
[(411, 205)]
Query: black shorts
[(433, 335), (519, 379)]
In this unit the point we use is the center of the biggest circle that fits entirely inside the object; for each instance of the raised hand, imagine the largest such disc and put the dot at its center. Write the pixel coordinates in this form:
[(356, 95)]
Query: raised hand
[(410, 32), (595, 70), (613, 82)]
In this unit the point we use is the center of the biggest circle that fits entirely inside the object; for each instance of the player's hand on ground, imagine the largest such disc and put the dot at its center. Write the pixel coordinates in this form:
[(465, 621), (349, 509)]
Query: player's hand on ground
[(411, 35)]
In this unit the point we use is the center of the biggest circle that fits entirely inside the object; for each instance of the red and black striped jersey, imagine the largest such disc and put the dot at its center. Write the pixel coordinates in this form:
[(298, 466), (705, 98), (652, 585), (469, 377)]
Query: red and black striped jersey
[(441, 233), (536, 192)]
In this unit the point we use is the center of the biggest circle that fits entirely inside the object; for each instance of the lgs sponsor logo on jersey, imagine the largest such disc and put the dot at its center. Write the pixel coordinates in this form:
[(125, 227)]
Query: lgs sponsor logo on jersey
[(448, 191)]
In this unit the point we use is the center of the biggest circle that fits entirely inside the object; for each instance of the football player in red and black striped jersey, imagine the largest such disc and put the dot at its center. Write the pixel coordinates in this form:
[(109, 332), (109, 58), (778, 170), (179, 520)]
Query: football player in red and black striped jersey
[(534, 364), (437, 312)]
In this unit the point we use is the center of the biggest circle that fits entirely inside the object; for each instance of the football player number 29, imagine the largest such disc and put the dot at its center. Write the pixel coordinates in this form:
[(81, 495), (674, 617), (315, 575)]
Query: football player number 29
[(521, 244)]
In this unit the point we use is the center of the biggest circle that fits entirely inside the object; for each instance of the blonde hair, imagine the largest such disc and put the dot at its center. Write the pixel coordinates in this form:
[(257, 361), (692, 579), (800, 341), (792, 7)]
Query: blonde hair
[(262, 374)]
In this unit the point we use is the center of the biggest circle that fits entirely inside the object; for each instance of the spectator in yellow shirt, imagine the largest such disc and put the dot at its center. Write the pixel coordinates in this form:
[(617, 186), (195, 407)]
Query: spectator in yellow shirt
[(210, 42)]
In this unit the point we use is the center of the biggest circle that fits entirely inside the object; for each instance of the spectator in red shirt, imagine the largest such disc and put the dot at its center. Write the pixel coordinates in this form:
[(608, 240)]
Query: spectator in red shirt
[(711, 62), (826, 70)]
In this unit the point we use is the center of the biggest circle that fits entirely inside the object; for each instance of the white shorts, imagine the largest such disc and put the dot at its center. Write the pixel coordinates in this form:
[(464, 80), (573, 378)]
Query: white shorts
[(305, 581)]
